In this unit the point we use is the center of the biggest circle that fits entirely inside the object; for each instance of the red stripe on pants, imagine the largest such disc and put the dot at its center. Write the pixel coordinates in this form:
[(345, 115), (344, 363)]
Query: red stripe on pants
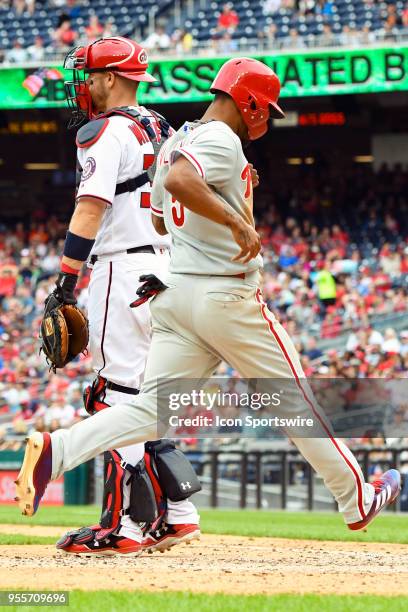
[(308, 401)]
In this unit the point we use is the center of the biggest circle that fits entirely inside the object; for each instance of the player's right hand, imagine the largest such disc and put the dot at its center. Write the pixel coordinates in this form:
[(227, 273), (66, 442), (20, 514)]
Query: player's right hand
[(247, 238)]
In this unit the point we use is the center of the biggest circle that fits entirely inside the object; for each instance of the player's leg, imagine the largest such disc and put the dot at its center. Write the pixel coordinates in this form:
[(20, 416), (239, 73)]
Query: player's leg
[(120, 337), (175, 353), (249, 337), (116, 362)]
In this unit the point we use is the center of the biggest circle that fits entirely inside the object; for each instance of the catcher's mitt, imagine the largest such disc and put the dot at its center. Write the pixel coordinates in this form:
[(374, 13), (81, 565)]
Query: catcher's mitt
[(64, 332)]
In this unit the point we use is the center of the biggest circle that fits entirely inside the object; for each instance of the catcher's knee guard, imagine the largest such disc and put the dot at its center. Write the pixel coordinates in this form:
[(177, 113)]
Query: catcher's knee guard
[(94, 396), (176, 475)]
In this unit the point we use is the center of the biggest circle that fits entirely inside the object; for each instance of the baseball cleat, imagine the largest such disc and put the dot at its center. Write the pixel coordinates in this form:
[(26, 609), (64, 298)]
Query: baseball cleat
[(84, 541), (35, 473), (386, 492), (169, 535)]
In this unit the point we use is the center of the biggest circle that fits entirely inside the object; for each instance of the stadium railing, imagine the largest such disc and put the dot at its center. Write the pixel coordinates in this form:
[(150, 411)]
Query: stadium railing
[(251, 466)]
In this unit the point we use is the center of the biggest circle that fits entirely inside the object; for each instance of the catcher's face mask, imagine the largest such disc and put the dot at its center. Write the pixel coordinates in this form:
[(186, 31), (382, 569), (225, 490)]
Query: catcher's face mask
[(77, 91)]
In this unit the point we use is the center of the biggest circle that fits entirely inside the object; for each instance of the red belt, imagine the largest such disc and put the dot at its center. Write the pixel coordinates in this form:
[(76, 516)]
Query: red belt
[(240, 275)]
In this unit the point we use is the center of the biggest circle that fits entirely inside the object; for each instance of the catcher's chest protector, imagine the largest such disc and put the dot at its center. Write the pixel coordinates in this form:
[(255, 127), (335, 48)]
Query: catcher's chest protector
[(157, 131)]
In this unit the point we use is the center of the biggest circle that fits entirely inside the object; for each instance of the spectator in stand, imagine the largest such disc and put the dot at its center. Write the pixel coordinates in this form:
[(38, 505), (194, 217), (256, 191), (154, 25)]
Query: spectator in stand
[(60, 411), (19, 6), (366, 36), (36, 52), (389, 31), (404, 16), (182, 41), (349, 37), (326, 286), (391, 343), (158, 40), (267, 37), (73, 8), (312, 351), (16, 55), (307, 7), (270, 7), (390, 261), (228, 19), (327, 38), (30, 6), (294, 40), (94, 29), (404, 342), (109, 29), (393, 18), (8, 279), (64, 36), (327, 8), (227, 44)]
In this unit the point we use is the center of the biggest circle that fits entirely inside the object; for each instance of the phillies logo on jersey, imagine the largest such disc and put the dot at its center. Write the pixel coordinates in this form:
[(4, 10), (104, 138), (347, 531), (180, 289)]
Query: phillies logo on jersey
[(89, 168)]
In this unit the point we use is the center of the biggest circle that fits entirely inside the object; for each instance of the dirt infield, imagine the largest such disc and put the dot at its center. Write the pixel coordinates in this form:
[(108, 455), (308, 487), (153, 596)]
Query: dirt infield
[(228, 564)]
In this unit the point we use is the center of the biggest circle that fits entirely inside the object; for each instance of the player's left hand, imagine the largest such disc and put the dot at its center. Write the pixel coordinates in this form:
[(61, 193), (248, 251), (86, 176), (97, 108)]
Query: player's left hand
[(247, 239), (254, 176), (151, 287)]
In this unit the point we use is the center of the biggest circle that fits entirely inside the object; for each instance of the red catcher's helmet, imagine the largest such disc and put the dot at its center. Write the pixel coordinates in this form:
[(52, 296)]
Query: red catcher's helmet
[(255, 88), (115, 54)]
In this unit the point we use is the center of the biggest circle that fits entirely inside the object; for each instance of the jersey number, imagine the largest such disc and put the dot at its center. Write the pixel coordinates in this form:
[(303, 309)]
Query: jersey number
[(148, 159), (177, 212), (246, 176)]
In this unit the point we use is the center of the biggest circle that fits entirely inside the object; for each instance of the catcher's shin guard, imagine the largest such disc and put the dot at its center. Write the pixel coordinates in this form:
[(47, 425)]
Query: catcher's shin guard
[(112, 505), (146, 502), (94, 396)]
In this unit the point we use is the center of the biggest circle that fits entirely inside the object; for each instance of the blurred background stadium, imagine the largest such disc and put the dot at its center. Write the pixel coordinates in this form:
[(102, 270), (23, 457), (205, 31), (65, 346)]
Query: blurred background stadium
[(331, 209)]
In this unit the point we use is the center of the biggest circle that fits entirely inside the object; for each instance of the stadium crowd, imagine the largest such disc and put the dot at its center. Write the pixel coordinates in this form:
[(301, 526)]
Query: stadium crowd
[(328, 280), (35, 30)]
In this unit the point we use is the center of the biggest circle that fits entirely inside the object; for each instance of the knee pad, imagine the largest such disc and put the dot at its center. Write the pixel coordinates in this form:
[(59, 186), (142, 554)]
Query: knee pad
[(177, 477), (94, 396)]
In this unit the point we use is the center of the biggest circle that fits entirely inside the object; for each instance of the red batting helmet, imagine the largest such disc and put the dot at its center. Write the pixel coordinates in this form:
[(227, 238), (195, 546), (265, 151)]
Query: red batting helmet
[(255, 88), (114, 54)]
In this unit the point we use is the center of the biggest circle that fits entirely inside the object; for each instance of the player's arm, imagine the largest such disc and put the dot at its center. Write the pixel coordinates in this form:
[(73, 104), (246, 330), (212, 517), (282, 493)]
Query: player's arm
[(85, 223), (158, 224), (80, 238), (188, 188), (100, 162)]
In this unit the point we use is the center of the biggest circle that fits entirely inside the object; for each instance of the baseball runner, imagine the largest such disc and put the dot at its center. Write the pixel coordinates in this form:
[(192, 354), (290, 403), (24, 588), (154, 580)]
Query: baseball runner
[(112, 223), (210, 307)]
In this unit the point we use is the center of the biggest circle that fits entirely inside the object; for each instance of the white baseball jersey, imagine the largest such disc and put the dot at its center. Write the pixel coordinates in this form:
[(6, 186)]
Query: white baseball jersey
[(122, 152), (200, 246)]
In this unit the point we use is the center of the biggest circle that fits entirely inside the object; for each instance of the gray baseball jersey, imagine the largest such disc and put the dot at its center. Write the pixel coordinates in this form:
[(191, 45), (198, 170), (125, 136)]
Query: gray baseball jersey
[(200, 246)]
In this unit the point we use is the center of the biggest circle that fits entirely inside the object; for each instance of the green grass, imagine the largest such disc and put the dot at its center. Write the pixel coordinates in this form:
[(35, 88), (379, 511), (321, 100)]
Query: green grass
[(20, 538), (388, 527), (136, 601)]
